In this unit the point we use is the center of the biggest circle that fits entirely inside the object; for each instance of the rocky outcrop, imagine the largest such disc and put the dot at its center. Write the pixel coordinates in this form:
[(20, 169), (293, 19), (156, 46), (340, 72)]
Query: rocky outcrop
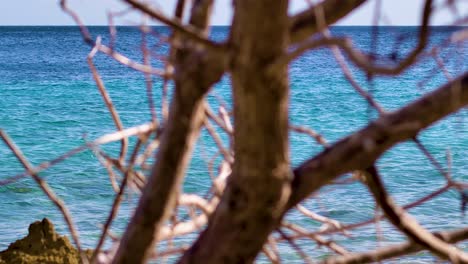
[(41, 245)]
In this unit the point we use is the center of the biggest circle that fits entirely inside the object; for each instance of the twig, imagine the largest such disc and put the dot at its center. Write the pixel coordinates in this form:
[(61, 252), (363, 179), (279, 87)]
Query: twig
[(107, 100), (111, 137), (47, 190), (409, 226), (109, 51), (148, 78), (379, 217), (362, 60), (331, 223), (308, 131), (271, 256), (117, 200), (295, 246), (219, 121), (318, 239), (433, 161), (397, 250), (188, 31), (226, 153), (112, 177), (148, 152)]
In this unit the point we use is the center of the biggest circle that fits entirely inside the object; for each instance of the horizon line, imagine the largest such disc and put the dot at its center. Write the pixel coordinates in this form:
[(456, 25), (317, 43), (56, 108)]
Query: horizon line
[(106, 25)]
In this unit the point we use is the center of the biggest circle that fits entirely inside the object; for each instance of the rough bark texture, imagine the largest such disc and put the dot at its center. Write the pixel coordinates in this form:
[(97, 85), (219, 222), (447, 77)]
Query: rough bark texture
[(261, 188), (195, 72), (260, 183)]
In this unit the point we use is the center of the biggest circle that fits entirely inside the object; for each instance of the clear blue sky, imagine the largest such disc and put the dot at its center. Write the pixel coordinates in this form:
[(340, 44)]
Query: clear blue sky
[(93, 12)]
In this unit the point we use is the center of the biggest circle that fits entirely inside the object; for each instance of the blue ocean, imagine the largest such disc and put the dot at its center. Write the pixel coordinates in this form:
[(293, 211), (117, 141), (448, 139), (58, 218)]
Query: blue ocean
[(50, 104)]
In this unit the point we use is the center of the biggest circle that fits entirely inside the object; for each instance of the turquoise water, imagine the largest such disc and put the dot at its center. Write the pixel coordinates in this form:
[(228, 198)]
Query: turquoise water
[(50, 104)]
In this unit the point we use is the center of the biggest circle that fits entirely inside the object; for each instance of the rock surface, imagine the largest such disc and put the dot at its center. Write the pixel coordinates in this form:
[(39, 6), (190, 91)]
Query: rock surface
[(41, 245)]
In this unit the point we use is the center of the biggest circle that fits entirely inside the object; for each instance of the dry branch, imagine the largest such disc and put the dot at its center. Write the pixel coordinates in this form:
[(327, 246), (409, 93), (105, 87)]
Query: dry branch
[(118, 199), (305, 24), (407, 224), (310, 132), (189, 31), (108, 138), (399, 250), (107, 100), (244, 222), (258, 187), (159, 196), (109, 51), (364, 61), (361, 149), (47, 191)]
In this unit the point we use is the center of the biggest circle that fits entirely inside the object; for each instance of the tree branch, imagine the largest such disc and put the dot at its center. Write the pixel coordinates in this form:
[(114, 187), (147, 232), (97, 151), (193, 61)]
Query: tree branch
[(257, 190), (407, 224), (361, 149), (190, 32), (108, 101), (304, 24), (397, 250), (47, 191), (360, 59), (159, 196), (86, 35)]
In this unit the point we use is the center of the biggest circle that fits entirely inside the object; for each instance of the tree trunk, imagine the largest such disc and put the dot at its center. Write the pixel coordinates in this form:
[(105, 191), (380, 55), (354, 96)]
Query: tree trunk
[(195, 72), (259, 186)]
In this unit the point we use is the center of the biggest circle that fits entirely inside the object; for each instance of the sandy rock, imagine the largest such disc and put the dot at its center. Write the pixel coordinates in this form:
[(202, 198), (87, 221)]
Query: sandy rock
[(41, 245)]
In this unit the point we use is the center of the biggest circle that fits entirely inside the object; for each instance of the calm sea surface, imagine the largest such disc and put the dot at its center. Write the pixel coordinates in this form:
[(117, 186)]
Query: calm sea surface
[(49, 104)]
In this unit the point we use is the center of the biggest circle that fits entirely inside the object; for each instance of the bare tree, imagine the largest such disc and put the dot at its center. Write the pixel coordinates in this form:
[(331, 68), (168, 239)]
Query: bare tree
[(255, 187)]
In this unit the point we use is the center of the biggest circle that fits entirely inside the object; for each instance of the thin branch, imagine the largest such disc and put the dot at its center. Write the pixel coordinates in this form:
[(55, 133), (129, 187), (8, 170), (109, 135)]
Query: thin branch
[(271, 251), (132, 64), (433, 161), (109, 167), (168, 65), (330, 223), (349, 76), (219, 121), (349, 227), (128, 132), (319, 13), (310, 132), (193, 225), (148, 78), (407, 224), (188, 31), (333, 246), (217, 139), (362, 148), (47, 191), (109, 51), (295, 246), (84, 30), (362, 60), (108, 138), (44, 165), (304, 24), (159, 197), (394, 251), (117, 200), (441, 64), (169, 252), (272, 257), (107, 100)]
